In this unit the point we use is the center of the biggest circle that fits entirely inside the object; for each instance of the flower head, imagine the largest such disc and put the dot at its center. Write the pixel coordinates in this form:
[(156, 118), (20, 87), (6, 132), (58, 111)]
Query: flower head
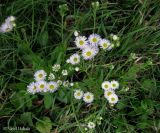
[(59, 82), (115, 37), (40, 75), (91, 125), (66, 83), (51, 76), (81, 42), (89, 52), (106, 85), (52, 86), (8, 25), (78, 94), (76, 69), (105, 44), (113, 99), (64, 72), (107, 93), (41, 86), (88, 97), (94, 39), (76, 33), (10, 19), (72, 84), (74, 59), (114, 85), (56, 68), (31, 88)]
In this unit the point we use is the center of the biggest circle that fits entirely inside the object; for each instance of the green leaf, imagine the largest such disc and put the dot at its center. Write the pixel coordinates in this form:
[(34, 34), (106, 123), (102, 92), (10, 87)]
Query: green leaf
[(17, 100), (27, 118), (21, 86), (43, 38), (62, 96), (48, 99), (28, 100), (44, 126)]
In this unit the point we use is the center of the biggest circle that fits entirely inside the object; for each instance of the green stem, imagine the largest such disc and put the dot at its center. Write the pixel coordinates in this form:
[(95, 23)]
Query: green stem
[(94, 17), (62, 27)]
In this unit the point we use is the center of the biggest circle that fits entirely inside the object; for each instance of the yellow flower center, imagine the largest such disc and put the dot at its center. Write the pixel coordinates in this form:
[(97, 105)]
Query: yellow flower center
[(106, 86), (89, 53), (105, 45), (51, 87), (42, 86), (114, 85), (75, 59), (88, 97), (78, 94), (94, 39), (113, 99), (109, 93), (81, 42), (40, 75)]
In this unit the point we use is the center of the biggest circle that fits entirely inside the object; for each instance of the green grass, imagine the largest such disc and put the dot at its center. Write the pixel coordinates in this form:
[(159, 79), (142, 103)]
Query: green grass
[(43, 37)]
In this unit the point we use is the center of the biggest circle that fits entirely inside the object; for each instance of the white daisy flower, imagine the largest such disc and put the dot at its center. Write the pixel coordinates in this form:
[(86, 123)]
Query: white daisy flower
[(91, 125), (105, 44), (40, 75), (94, 39), (115, 37), (52, 86), (76, 33), (51, 76), (6, 27), (56, 68), (76, 69), (114, 85), (59, 82), (64, 72), (81, 42), (88, 97), (107, 93), (31, 88), (89, 52), (74, 59), (106, 85), (78, 94), (66, 83), (113, 99), (41, 86)]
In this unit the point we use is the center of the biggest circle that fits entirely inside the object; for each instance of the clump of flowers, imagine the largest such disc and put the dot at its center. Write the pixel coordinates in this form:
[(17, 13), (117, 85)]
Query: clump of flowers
[(8, 25), (109, 91), (90, 46), (87, 97), (40, 84)]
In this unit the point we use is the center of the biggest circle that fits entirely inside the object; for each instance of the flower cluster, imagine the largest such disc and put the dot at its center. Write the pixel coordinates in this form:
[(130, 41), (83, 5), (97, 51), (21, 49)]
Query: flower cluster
[(87, 97), (109, 91), (40, 84), (89, 47), (8, 25)]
